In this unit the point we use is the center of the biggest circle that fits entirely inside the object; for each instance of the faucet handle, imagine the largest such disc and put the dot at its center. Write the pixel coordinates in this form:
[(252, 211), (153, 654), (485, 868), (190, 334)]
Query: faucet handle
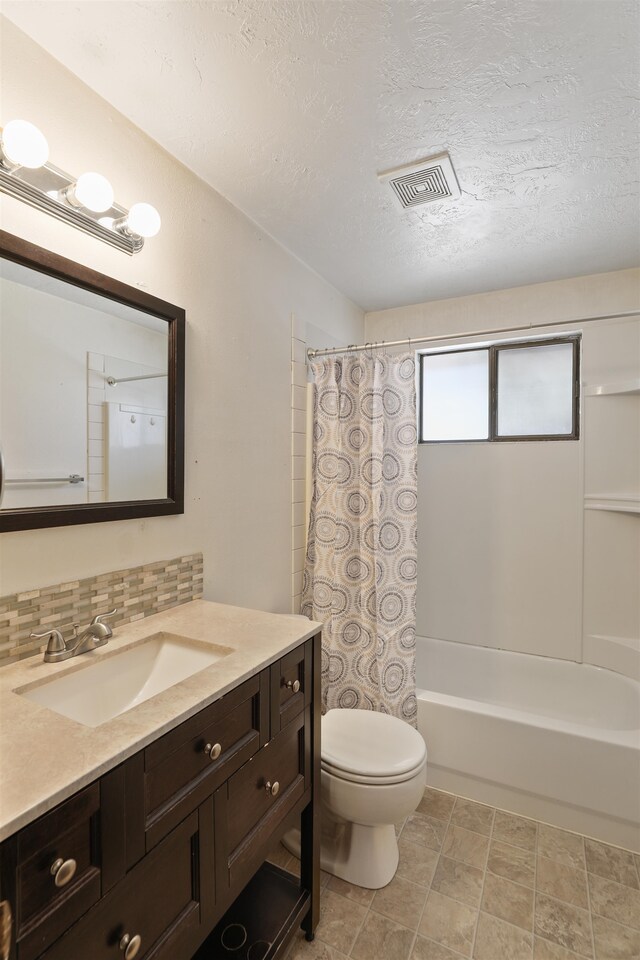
[(102, 616), (56, 642)]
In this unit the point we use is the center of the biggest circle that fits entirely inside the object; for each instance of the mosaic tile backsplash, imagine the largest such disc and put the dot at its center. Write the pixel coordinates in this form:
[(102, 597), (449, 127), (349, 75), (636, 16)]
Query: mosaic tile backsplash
[(137, 592)]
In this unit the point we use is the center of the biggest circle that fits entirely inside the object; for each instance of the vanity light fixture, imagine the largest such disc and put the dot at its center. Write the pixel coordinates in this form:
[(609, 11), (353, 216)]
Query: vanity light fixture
[(23, 145), (91, 190), (85, 202)]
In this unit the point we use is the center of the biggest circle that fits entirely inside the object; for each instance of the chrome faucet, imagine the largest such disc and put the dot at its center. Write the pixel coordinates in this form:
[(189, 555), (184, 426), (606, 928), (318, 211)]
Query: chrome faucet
[(96, 635)]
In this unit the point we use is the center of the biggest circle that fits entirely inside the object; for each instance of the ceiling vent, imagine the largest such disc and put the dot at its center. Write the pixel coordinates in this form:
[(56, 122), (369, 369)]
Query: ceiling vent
[(423, 182)]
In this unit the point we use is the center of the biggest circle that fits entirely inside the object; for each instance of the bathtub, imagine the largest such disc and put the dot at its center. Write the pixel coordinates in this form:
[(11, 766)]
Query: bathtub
[(549, 739)]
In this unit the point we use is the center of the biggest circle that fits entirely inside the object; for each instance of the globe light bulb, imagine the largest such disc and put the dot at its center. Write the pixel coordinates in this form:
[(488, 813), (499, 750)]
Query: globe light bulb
[(93, 191), (24, 145), (144, 220)]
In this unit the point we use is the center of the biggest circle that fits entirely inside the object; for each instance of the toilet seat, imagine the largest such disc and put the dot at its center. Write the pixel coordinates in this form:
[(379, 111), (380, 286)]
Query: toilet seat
[(363, 746), (372, 781)]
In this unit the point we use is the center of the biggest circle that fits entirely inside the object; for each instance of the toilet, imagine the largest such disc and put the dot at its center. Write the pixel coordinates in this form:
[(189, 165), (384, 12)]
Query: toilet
[(373, 775)]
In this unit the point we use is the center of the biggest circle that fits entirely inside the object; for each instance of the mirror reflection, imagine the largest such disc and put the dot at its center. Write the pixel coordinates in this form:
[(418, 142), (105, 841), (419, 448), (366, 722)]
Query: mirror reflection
[(83, 395)]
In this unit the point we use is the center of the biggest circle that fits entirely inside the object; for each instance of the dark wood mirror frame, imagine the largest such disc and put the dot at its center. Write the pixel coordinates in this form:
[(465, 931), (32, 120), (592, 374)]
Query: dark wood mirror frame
[(31, 518)]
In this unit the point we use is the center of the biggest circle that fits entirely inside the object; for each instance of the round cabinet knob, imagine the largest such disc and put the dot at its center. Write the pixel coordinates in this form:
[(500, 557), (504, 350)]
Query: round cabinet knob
[(273, 789), (213, 750), (293, 685), (63, 871), (130, 946)]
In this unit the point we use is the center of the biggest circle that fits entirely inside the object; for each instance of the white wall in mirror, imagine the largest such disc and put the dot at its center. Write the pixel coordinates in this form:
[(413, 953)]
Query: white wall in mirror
[(58, 346)]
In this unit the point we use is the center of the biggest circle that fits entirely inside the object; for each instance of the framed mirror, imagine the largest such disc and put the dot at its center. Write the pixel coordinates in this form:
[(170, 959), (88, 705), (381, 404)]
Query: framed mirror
[(91, 395)]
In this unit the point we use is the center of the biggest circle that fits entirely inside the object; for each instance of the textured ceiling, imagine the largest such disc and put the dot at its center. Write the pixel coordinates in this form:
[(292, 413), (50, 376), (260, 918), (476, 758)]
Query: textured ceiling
[(290, 109)]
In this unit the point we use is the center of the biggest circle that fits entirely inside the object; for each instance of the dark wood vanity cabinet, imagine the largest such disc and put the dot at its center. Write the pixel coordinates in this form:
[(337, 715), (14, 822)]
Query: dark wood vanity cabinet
[(145, 861)]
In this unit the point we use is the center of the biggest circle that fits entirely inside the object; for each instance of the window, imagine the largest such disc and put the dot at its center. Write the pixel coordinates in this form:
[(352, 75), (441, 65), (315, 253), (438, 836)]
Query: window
[(506, 391)]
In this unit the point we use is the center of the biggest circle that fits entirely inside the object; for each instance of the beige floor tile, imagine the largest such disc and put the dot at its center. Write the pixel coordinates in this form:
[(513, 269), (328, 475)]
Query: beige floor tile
[(515, 830), (424, 830), (382, 939), (424, 949), (316, 950), (563, 882), (615, 901), (448, 922), (340, 921), (436, 804), (458, 880), (615, 942), (399, 826), (401, 901), (564, 924), (417, 863), (636, 857), (545, 950), (324, 879), (496, 940), (461, 844), (473, 816), (511, 862), (612, 863), (561, 846), (508, 901), (361, 895)]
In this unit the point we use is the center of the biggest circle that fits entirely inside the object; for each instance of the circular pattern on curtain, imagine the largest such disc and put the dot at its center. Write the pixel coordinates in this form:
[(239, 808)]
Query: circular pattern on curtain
[(361, 563)]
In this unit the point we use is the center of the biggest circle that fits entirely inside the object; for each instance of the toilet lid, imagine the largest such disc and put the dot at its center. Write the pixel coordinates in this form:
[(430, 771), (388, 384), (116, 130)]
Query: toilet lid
[(370, 744)]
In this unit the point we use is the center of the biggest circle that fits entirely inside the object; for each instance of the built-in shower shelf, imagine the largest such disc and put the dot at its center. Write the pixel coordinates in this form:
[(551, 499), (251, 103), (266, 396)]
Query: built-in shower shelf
[(616, 504), (615, 388)]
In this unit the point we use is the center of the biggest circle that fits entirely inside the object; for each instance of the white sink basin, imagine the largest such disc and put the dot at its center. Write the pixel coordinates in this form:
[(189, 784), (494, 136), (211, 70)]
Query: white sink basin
[(110, 685)]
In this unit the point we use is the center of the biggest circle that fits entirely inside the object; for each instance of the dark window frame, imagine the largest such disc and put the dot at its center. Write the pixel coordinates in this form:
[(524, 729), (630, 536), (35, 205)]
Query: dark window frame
[(494, 350)]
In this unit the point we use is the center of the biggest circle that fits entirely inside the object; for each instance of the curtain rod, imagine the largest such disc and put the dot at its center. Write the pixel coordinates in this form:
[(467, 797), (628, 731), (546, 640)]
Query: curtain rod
[(407, 341)]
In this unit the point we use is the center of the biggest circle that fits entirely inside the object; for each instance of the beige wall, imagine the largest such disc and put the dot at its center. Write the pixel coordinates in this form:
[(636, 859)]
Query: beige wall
[(239, 289), (501, 526)]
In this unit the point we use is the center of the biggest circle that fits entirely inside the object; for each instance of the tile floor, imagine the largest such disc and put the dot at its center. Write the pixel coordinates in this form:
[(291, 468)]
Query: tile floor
[(479, 883)]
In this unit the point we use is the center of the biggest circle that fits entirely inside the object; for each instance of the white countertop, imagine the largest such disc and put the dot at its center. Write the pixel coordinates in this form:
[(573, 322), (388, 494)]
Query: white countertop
[(45, 757)]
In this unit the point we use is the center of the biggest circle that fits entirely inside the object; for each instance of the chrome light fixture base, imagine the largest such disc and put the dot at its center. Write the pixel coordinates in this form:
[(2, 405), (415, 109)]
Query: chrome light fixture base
[(43, 188)]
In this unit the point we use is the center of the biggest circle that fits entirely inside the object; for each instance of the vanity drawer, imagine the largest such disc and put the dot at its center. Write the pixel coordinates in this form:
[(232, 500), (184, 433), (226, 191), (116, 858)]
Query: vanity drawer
[(248, 809), (290, 686), (58, 871), (163, 914), (179, 772)]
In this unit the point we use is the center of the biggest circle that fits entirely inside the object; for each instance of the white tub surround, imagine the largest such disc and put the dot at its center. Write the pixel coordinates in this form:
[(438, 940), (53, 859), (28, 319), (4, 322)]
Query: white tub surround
[(46, 757), (549, 739)]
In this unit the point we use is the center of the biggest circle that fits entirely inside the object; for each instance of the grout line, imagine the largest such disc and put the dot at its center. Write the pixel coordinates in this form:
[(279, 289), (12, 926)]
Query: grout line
[(593, 938), (484, 877), (454, 952), (535, 888)]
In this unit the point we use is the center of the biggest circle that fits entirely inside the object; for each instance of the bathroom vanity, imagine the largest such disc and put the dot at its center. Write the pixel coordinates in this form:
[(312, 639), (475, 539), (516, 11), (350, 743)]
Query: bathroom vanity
[(137, 836)]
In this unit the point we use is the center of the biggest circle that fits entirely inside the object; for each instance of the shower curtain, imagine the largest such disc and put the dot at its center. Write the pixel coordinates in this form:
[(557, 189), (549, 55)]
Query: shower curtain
[(361, 563)]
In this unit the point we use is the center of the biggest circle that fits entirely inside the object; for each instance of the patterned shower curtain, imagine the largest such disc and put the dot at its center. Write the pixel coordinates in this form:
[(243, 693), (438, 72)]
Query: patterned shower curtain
[(360, 571)]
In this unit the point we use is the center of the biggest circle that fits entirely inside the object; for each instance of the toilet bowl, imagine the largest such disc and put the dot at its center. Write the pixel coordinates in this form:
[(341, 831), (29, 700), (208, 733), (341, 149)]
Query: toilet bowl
[(373, 775)]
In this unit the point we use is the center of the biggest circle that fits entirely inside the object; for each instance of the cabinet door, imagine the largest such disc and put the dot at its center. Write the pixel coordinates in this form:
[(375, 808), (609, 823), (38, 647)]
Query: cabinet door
[(57, 863), (157, 902), (291, 686), (256, 801)]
